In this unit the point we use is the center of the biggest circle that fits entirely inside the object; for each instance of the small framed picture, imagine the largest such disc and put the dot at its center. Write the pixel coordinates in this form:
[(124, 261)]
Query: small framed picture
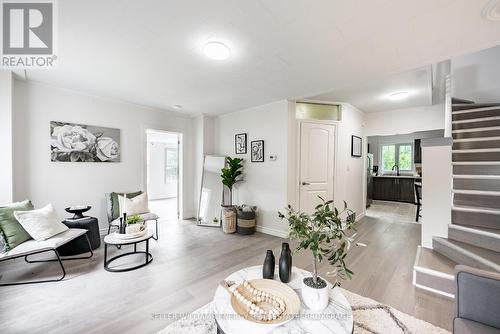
[(356, 146), (257, 151), (240, 143)]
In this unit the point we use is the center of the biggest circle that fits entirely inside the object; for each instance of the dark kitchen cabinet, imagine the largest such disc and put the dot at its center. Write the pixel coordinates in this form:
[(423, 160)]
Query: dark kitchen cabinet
[(394, 189), (417, 151)]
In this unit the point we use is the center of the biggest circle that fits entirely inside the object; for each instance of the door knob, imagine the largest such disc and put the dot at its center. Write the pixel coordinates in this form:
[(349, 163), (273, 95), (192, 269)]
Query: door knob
[(305, 183)]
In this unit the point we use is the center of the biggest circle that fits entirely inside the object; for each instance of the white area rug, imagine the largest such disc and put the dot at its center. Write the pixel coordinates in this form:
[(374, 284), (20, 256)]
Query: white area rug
[(370, 317)]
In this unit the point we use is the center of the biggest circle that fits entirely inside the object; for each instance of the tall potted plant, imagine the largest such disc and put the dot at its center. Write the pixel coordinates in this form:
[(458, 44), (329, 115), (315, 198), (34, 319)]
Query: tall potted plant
[(230, 175), (325, 234)]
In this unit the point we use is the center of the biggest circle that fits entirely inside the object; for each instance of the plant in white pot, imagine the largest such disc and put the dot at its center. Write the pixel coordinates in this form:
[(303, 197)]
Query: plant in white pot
[(325, 234)]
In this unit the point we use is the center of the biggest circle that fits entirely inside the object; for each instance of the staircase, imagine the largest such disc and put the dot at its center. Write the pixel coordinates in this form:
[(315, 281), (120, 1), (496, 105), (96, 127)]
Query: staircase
[(474, 232)]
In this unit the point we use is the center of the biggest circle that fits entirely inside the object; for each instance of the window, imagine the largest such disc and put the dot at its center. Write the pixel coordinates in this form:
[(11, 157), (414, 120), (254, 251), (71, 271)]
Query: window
[(397, 154), (170, 165)]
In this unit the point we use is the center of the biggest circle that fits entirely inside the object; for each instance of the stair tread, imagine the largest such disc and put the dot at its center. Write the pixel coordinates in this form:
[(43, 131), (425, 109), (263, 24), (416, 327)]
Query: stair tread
[(457, 100), (431, 260), (482, 254), (475, 209), (480, 229), (476, 177), (476, 192), (462, 111)]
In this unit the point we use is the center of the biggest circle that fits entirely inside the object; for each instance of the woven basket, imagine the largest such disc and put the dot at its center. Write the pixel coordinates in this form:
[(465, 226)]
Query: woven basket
[(229, 219)]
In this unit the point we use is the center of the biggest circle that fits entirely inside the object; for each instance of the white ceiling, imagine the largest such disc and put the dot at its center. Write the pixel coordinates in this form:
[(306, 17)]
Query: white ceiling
[(373, 96), (149, 52)]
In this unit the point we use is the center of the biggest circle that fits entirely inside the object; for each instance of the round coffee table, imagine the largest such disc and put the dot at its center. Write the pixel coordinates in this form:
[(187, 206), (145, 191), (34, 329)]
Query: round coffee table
[(111, 239), (336, 318)]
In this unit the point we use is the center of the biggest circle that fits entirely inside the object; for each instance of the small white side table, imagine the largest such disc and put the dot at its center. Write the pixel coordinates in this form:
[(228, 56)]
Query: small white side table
[(111, 239), (336, 318)]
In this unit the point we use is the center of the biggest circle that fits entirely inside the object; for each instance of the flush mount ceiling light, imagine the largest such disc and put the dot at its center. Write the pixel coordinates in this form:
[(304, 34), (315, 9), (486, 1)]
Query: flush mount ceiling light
[(177, 106), (492, 10), (216, 50), (398, 96)]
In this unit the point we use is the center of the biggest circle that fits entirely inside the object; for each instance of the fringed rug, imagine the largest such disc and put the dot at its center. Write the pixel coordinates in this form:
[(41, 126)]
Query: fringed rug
[(370, 317)]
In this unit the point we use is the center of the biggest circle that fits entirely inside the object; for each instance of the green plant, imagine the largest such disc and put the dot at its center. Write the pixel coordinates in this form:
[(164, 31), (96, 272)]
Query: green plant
[(324, 233), (133, 220), (231, 174)]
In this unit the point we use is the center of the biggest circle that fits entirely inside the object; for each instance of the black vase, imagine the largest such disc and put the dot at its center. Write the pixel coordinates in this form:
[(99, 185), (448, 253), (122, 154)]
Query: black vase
[(285, 265), (268, 267)]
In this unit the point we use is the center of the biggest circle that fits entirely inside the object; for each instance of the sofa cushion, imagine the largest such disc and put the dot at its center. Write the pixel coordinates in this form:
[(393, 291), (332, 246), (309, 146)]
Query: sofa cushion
[(134, 206), (115, 205), (13, 233), (31, 245), (41, 224), (464, 326)]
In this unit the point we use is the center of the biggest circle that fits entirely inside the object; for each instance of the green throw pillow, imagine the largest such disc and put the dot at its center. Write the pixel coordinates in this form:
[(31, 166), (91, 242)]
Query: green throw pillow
[(12, 231), (115, 205)]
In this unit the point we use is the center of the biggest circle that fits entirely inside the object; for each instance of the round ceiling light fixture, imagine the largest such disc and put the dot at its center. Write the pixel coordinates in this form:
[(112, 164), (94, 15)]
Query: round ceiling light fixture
[(216, 50), (177, 106), (398, 96), (492, 10)]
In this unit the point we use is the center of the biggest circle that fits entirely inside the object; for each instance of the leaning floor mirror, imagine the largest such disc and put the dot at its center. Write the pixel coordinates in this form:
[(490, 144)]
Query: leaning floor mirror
[(211, 192)]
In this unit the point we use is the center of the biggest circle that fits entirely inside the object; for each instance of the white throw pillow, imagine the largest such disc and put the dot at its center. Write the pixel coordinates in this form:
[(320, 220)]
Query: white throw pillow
[(41, 224), (133, 206)]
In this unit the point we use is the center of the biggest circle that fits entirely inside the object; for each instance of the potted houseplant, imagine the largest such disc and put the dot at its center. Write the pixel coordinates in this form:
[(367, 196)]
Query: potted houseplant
[(230, 175), (325, 234)]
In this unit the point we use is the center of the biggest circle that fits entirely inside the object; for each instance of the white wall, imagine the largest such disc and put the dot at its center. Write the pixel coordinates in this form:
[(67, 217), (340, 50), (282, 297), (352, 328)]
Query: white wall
[(6, 119), (403, 121), (265, 183), (436, 188), (271, 185), (159, 186), (350, 174), (65, 184), (476, 76)]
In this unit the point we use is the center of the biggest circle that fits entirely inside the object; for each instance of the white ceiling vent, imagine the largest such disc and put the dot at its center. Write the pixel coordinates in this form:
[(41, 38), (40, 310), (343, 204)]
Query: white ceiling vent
[(492, 10)]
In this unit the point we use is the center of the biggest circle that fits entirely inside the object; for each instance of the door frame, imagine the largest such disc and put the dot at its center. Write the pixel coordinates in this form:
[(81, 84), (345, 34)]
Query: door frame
[(180, 164), (298, 153)]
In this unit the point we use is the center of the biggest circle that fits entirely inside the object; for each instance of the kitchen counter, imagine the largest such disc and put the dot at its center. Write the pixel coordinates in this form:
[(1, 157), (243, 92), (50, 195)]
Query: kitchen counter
[(399, 177)]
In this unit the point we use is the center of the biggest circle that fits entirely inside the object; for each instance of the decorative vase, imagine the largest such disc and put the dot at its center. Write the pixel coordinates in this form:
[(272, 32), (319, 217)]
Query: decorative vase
[(316, 297), (285, 264), (268, 267)]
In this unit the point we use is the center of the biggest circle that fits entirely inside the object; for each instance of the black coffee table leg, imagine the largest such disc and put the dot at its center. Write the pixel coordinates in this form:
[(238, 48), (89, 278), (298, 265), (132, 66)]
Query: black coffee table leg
[(147, 250), (105, 254)]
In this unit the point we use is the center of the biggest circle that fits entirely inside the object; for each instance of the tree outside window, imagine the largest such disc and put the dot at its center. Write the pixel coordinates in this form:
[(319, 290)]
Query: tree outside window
[(397, 154)]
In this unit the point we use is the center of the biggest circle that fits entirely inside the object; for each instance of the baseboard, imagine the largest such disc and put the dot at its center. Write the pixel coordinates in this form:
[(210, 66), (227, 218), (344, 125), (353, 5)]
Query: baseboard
[(360, 216), (272, 231)]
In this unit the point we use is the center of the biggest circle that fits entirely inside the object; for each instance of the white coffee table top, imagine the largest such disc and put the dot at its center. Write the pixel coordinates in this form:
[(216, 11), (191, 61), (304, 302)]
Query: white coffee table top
[(111, 238), (336, 318)]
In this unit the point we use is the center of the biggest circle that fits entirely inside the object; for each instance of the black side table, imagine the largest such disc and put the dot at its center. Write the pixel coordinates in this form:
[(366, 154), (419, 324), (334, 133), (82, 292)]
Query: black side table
[(79, 245)]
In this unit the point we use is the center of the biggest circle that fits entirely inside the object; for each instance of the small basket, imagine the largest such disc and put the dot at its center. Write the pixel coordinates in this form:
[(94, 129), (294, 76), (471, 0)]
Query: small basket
[(229, 219)]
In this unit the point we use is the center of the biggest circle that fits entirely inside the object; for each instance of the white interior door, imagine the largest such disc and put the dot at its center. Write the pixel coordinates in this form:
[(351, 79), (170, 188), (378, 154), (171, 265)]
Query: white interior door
[(317, 150)]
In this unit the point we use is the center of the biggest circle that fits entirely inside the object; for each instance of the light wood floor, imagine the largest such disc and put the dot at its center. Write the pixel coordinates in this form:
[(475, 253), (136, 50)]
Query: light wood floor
[(188, 263)]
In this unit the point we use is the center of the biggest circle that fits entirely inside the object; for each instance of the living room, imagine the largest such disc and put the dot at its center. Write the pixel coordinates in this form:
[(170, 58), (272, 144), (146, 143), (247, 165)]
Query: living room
[(150, 155)]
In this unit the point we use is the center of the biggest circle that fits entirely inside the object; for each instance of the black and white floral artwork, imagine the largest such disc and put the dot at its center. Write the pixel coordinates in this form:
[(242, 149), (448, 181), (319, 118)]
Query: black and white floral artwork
[(240, 143), (257, 151), (84, 143)]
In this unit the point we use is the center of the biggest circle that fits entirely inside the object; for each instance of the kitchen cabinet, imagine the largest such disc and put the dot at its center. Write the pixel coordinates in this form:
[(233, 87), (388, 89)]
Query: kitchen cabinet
[(398, 189), (417, 151)]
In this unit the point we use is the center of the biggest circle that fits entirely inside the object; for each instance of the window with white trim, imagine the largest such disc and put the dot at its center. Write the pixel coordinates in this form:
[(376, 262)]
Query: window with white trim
[(397, 154)]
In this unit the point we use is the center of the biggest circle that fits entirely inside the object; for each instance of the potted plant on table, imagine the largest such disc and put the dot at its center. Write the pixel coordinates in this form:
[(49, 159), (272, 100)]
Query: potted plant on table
[(325, 234), (230, 175)]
